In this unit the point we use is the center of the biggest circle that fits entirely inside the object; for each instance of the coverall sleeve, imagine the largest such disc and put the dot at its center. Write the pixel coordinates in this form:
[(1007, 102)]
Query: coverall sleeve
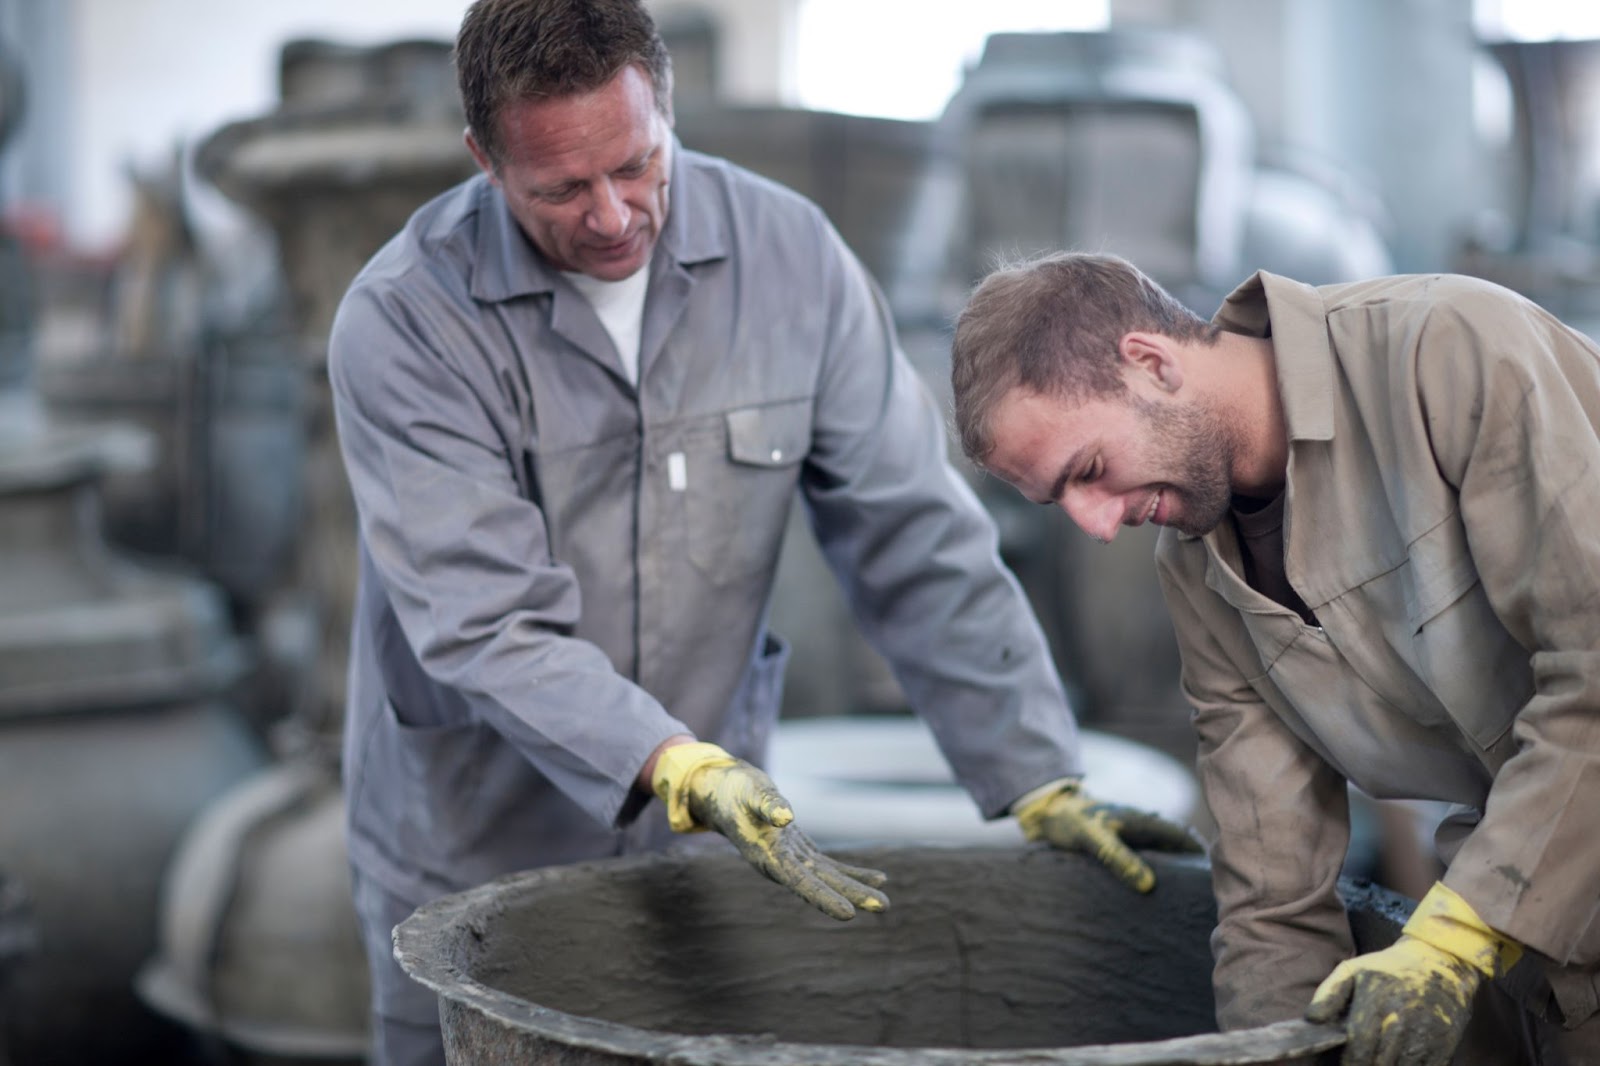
[(1282, 815), (1511, 400), (461, 548), (918, 557)]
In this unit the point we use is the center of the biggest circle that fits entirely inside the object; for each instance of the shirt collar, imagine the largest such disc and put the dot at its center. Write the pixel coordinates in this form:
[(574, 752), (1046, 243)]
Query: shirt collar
[(1293, 315), (507, 265)]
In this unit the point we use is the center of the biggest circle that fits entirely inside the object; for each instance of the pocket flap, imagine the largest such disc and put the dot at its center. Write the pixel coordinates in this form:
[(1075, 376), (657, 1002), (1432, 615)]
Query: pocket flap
[(771, 435), (1441, 570)]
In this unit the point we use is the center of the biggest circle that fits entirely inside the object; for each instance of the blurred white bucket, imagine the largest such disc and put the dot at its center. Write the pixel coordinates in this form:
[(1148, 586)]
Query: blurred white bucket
[(856, 779)]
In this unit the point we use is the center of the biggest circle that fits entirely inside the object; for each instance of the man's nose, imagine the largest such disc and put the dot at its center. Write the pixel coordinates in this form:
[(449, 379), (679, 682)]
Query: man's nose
[(1098, 515), (608, 214)]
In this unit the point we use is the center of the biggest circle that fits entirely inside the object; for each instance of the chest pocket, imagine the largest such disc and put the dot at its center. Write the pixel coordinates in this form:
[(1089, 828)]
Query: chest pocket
[(739, 497), (1472, 664)]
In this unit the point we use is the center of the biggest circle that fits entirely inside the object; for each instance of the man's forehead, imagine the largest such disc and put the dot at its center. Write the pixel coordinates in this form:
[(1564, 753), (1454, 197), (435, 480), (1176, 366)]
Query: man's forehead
[(1021, 426), (576, 157), (627, 102)]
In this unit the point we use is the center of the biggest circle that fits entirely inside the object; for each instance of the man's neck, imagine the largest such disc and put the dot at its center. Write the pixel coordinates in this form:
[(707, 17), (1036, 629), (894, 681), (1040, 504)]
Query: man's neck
[(1247, 393)]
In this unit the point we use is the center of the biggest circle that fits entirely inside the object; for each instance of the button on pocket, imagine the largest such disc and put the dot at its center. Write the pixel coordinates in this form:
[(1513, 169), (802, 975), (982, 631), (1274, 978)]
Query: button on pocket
[(739, 499)]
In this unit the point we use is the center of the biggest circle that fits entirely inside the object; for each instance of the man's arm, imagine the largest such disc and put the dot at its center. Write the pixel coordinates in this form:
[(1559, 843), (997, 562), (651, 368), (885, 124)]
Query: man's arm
[(1512, 402), (919, 560), (1282, 817), (463, 555), (918, 557)]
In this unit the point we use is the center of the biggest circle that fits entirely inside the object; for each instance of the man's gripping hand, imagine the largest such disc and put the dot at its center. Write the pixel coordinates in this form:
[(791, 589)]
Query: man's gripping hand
[(1068, 818), (1408, 1004)]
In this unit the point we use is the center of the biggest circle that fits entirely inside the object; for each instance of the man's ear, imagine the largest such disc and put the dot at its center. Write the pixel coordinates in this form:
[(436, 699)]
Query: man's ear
[(1155, 357), (479, 155)]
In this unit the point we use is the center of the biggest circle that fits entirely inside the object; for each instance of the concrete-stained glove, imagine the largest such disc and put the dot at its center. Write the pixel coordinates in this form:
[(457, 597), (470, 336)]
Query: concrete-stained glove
[(1409, 1003), (1068, 818), (704, 787)]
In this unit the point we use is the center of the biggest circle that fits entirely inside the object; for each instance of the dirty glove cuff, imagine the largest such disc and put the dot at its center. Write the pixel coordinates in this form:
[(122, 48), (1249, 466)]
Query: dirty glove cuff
[(1445, 921), (1029, 807), (675, 769)]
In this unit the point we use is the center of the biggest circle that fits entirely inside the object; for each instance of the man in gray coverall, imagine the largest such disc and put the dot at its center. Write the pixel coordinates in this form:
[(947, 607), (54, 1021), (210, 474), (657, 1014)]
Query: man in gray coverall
[(1381, 551), (576, 396)]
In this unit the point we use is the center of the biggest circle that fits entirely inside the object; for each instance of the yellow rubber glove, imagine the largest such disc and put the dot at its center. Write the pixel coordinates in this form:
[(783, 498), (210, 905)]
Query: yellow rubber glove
[(704, 787), (1410, 1002), (1068, 818)]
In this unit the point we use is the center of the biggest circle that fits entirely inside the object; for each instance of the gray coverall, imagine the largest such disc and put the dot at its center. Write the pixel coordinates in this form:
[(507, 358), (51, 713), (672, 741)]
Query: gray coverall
[(560, 570), (1442, 523)]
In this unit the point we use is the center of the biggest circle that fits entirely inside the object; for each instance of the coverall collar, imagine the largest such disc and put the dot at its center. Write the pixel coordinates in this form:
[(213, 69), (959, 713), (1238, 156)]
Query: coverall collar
[(508, 265), (1293, 315)]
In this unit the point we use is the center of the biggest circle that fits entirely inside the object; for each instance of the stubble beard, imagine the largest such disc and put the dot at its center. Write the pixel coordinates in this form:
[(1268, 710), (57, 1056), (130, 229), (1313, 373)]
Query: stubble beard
[(1203, 447)]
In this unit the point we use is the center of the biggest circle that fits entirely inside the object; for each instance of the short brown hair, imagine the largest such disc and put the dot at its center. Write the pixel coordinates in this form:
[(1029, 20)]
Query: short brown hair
[(1052, 325), (513, 50)]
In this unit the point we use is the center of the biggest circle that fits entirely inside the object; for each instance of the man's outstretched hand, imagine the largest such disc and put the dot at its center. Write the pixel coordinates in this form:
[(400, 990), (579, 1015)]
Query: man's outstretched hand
[(704, 787)]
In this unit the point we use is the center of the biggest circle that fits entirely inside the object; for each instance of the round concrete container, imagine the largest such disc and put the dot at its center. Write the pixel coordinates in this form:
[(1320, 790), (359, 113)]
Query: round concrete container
[(986, 956)]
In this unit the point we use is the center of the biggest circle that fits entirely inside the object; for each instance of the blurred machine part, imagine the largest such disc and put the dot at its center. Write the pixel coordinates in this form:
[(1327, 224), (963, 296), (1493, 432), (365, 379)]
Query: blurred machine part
[(362, 137), (223, 488), (81, 627), (1126, 141), (210, 408), (95, 802), (114, 732), (1132, 141), (694, 40), (1310, 226), (18, 940), (220, 407), (115, 728), (864, 172), (1552, 252), (16, 297), (259, 948)]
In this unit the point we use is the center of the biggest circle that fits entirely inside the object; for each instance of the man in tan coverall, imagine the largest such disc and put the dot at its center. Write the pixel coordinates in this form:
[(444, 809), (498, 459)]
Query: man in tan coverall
[(1381, 552)]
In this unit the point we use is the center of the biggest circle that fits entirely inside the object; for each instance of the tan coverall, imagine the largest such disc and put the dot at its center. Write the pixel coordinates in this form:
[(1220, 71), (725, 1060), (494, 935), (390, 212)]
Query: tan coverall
[(1442, 523)]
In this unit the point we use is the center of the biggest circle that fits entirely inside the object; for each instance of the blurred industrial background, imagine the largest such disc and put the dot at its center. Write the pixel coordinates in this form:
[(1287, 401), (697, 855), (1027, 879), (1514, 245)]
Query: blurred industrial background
[(186, 187)]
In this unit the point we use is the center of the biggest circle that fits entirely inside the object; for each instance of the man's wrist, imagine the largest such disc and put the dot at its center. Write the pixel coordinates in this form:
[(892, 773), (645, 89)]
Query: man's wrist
[(1445, 921), (644, 782), (1034, 795)]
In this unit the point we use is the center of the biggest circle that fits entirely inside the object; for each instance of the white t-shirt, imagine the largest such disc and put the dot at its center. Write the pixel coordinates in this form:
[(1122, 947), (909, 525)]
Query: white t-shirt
[(620, 306)]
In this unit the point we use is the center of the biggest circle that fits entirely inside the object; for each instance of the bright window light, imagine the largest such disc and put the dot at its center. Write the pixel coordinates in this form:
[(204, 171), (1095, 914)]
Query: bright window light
[(1536, 20), (904, 58)]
